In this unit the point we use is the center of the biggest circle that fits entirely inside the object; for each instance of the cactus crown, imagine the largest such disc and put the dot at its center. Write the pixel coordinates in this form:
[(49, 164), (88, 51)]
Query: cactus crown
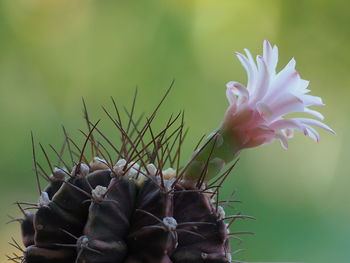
[(133, 204)]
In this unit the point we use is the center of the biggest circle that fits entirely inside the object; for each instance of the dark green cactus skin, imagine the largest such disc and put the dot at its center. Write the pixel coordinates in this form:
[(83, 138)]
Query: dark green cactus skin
[(106, 233), (126, 226), (214, 246), (27, 228), (67, 210), (52, 188)]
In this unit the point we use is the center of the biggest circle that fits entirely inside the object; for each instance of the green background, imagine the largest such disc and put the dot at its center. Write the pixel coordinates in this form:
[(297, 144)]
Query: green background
[(52, 53)]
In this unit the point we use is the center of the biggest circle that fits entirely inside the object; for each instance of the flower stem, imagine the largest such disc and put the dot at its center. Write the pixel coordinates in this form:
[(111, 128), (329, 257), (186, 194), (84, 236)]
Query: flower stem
[(208, 160)]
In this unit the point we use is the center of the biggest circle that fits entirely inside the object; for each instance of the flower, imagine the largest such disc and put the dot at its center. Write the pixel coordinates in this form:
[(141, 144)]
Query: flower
[(256, 112)]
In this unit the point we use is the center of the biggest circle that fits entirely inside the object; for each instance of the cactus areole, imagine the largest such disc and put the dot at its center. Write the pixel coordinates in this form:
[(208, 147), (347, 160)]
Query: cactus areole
[(139, 202)]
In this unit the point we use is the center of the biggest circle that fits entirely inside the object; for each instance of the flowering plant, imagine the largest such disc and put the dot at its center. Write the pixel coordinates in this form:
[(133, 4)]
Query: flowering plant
[(136, 203), (256, 114)]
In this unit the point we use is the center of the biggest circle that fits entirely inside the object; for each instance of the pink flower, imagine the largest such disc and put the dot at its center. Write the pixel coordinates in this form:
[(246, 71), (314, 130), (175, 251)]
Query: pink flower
[(256, 112)]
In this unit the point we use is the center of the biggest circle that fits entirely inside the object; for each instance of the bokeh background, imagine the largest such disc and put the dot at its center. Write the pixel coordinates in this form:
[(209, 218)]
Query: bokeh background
[(54, 52)]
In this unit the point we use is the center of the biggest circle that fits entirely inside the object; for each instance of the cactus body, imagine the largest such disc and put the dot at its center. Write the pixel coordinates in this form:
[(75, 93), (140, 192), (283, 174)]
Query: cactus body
[(131, 223), (133, 210)]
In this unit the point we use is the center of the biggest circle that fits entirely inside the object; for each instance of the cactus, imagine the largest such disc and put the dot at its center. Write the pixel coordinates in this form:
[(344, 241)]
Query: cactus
[(136, 204), (129, 205)]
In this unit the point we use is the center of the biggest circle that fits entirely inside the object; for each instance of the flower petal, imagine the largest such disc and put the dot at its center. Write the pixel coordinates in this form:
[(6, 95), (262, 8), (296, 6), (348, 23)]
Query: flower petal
[(314, 113), (283, 140), (270, 56), (264, 110), (248, 66), (285, 82), (251, 60), (263, 81), (291, 64), (237, 92), (267, 51), (315, 123), (231, 97), (312, 133), (287, 104), (287, 124), (304, 84), (310, 100)]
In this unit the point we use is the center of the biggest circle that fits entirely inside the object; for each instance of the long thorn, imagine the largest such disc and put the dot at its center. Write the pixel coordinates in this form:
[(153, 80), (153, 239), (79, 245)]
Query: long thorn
[(35, 164)]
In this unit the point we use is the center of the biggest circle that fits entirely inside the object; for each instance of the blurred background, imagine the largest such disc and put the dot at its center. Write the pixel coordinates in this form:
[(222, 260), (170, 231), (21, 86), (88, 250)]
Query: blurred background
[(54, 52)]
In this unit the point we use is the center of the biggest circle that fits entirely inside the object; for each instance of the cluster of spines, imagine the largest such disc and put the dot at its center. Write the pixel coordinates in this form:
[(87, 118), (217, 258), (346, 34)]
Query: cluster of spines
[(97, 193)]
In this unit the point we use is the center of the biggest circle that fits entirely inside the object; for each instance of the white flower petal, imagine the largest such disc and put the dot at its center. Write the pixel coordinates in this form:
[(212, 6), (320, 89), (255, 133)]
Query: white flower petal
[(231, 97), (287, 104), (237, 92), (267, 51), (263, 81), (310, 100), (315, 123), (248, 66), (270, 56), (287, 124), (304, 84), (252, 84), (312, 133), (251, 60), (314, 113), (275, 56), (291, 64), (285, 82), (264, 110), (283, 140)]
